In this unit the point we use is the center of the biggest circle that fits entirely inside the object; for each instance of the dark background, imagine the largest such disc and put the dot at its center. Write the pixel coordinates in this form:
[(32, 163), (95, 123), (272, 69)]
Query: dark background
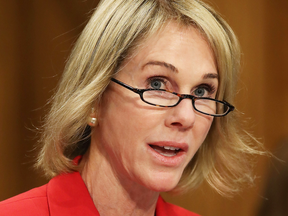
[(36, 38)]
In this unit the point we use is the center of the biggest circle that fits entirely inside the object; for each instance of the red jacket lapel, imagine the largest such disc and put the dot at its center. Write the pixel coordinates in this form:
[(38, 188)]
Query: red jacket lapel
[(67, 195)]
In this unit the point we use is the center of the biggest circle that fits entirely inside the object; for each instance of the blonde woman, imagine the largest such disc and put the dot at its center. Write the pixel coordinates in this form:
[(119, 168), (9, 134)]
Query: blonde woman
[(144, 106)]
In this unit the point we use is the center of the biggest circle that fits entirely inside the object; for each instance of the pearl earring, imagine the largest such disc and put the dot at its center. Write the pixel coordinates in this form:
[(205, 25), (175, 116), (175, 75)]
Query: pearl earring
[(93, 121)]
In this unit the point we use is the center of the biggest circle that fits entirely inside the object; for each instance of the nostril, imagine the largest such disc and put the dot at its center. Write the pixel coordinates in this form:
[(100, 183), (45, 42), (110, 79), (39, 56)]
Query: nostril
[(176, 124)]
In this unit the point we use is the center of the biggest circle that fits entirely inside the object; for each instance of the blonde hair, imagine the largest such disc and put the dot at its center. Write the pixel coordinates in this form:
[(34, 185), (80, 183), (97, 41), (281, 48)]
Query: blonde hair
[(115, 30)]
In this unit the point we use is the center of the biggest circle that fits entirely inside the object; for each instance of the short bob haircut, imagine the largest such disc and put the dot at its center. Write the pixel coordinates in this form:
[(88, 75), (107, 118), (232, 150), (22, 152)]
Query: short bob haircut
[(115, 31)]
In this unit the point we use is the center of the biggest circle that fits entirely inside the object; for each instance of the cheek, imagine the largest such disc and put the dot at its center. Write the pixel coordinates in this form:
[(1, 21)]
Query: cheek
[(127, 120), (202, 127)]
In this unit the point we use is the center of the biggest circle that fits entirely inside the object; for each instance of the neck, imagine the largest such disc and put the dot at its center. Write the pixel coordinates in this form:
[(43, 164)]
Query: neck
[(113, 193)]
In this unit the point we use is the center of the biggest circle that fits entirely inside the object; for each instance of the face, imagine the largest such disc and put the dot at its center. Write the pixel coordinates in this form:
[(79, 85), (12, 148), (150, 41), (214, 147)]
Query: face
[(139, 140)]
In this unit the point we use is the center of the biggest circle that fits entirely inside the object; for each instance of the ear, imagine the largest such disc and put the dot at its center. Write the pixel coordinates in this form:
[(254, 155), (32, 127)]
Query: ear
[(92, 120)]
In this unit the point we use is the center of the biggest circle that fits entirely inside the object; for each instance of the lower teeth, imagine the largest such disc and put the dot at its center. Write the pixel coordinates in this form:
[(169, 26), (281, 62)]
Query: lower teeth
[(168, 155)]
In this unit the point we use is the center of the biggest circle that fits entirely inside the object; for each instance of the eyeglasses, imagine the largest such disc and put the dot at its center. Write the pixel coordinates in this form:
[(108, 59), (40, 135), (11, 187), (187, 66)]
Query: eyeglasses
[(164, 98)]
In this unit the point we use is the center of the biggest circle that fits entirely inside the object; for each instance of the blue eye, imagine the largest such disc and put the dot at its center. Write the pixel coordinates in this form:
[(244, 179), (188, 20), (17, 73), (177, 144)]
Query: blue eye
[(200, 92), (156, 84), (205, 90)]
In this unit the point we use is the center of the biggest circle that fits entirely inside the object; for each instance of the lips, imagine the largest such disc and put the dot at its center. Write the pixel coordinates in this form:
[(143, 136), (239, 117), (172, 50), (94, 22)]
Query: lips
[(168, 153), (169, 149)]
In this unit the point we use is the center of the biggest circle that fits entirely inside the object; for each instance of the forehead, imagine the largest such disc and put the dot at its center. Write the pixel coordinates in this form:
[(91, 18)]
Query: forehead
[(181, 46)]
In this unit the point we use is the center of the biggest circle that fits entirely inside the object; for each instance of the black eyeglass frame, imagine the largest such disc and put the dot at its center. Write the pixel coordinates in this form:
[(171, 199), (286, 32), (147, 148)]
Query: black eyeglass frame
[(181, 97)]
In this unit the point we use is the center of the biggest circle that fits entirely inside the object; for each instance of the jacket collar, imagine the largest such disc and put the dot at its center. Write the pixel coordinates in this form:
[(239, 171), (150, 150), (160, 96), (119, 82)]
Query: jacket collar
[(68, 195)]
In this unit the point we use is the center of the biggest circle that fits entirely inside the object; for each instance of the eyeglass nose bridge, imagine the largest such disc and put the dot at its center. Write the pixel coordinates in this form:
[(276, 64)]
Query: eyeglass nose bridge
[(186, 96), (193, 99)]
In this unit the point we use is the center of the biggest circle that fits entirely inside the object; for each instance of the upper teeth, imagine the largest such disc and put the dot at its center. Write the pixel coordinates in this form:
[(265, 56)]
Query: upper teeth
[(170, 148)]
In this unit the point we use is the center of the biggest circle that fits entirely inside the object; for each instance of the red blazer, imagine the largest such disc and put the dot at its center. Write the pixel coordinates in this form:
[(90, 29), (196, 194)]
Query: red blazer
[(67, 195)]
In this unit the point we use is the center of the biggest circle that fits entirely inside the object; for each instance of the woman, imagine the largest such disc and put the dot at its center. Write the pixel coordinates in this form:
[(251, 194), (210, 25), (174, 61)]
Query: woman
[(142, 108)]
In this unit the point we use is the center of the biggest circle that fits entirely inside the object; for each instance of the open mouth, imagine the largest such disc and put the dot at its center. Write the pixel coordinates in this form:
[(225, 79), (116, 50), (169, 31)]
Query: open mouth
[(167, 151)]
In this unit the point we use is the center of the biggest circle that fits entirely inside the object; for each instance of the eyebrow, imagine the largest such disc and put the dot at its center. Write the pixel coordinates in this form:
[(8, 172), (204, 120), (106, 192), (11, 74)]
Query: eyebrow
[(174, 69), (163, 64), (211, 76)]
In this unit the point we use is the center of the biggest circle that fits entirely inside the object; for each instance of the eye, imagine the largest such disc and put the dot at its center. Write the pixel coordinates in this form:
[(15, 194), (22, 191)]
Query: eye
[(204, 91), (156, 83), (200, 92)]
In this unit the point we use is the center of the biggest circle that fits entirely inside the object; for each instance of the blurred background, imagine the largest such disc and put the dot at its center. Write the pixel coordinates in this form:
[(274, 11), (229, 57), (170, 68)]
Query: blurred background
[(36, 38)]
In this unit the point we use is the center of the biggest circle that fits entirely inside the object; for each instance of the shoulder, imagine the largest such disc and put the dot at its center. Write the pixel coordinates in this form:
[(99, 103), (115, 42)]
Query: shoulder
[(33, 202), (168, 209)]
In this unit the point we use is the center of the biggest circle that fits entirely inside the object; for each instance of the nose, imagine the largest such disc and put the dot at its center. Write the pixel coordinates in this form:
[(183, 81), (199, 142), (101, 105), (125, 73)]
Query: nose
[(181, 116)]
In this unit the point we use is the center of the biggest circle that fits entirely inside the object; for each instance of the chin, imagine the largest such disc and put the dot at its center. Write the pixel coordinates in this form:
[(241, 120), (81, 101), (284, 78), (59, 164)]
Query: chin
[(163, 184), (163, 187)]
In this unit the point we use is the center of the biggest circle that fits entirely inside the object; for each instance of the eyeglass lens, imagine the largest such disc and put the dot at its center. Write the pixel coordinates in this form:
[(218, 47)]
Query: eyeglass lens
[(164, 98)]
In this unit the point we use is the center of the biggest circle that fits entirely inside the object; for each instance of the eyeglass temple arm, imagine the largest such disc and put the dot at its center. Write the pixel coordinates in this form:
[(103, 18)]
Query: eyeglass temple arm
[(229, 105), (126, 86)]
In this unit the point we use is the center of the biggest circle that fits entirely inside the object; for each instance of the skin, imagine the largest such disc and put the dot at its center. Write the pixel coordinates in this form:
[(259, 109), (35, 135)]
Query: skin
[(123, 174)]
